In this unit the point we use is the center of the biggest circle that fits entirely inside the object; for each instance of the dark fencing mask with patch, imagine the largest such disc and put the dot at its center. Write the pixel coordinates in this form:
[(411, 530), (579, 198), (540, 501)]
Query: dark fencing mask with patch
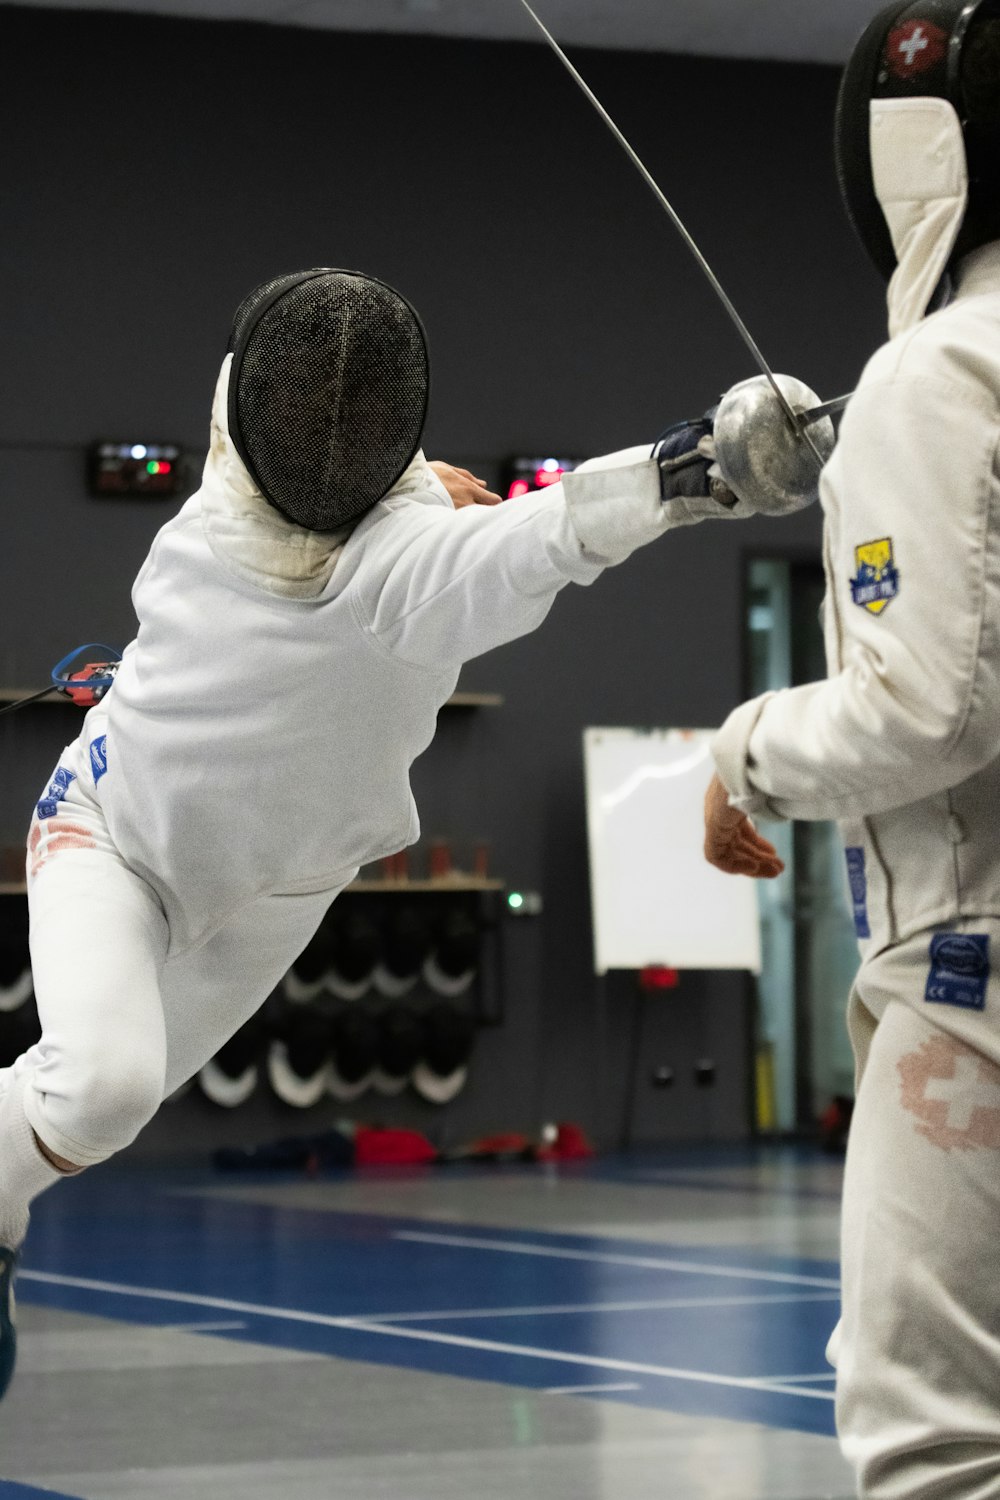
[(918, 139), (328, 393)]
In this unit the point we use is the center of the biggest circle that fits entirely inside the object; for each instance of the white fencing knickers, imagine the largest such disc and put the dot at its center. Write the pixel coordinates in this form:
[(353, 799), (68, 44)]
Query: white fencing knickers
[(123, 1024), (918, 1348)]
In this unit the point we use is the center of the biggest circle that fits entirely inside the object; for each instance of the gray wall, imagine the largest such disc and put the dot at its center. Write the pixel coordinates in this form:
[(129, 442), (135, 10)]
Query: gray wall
[(154, 170)]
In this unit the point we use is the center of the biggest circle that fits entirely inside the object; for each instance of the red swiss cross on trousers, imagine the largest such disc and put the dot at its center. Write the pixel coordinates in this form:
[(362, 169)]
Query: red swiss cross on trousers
[(954, 1092), (915, 48)]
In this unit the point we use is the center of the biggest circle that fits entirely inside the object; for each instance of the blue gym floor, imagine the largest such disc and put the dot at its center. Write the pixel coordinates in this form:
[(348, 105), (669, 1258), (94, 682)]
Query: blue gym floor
[(625, 1284)]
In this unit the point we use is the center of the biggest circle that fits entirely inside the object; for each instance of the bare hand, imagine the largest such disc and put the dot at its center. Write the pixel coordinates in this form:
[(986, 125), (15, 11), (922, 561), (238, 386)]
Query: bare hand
[(732, 843), (463, 487)]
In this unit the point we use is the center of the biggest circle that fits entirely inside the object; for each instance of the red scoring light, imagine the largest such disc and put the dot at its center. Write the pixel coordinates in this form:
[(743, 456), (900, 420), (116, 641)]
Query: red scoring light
[(519, 487), (547, 476), (659, 977)]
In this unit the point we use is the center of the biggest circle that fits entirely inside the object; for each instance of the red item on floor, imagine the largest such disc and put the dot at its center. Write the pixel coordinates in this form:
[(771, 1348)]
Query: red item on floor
[(570, 1144), (391, 1148)]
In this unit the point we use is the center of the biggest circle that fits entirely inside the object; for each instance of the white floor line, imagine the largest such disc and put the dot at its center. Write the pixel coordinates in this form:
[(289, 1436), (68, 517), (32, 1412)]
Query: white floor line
[(605, 1258), (191, 1299), (560, 1309), (592, 1361), (591, 1390), (201, 1327), (359, 1325)]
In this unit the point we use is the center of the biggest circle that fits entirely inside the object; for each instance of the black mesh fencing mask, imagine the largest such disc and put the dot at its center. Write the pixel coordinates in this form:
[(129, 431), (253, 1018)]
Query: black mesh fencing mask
[(327, 393), (945, 49)]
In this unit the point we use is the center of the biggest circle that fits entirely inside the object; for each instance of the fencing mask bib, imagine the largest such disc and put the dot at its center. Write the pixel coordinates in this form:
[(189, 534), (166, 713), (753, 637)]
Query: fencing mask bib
[(327, 394), (918, 144)]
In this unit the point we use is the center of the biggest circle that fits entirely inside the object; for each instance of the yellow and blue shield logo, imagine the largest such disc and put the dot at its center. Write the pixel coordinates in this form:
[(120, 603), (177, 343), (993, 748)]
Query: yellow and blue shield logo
[(877, 581)]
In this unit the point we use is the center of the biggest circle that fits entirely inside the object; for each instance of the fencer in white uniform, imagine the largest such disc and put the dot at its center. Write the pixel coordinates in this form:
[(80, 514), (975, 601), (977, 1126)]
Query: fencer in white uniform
[(292, 654), (901, 745)]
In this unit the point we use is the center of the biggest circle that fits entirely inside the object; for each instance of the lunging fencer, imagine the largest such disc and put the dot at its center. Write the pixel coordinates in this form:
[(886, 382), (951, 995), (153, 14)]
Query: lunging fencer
[(301, 622), (901, 745)]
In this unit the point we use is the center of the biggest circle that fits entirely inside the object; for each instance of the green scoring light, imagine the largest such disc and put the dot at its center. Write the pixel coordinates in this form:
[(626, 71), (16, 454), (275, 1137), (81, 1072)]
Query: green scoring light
[(515, 900)]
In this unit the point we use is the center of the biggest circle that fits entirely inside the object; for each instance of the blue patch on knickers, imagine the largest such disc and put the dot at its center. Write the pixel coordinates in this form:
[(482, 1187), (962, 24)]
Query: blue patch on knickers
[(55, 792), (99, 757), (960, 970), (859, 890)]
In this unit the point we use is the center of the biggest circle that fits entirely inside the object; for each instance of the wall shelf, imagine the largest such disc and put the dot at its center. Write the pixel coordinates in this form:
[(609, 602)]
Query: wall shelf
[(457, 886), (445, 886), (475, 700), (457, 700)]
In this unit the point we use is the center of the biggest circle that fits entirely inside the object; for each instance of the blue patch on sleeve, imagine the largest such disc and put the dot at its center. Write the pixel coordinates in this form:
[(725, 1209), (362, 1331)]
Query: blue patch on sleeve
[(99, 757), (55, 792), (859, 890), (960, 970)]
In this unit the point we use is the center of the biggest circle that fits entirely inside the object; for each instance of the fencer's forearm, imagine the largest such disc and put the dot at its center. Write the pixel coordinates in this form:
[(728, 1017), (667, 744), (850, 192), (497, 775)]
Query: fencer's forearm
[(616, 505), (838, 749), (459, 584)]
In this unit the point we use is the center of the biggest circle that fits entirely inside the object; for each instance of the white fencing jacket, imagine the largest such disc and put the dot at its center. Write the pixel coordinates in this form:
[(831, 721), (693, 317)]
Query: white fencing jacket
[(901, 742), (262, 726)]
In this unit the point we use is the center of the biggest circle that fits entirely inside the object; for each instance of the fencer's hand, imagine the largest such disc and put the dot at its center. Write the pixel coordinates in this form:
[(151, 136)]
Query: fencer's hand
[(463, 487), (732, 843), (685, 454)]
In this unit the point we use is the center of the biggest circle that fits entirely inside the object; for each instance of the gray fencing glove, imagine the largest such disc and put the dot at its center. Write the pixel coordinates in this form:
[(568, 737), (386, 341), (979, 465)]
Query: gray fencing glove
[(685, 455), (691, 482)]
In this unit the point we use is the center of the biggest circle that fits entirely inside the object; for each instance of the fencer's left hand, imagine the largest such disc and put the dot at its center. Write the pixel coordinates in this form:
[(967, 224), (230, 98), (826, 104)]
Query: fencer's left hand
[(463, 487), (732, 843)]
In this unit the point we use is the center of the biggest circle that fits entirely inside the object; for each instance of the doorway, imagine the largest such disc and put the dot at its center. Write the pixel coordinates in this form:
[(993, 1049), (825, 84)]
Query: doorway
[(810, 954)]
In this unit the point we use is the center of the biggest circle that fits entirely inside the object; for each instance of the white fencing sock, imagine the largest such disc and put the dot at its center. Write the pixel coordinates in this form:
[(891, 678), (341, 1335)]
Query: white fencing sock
[(24, 1171)]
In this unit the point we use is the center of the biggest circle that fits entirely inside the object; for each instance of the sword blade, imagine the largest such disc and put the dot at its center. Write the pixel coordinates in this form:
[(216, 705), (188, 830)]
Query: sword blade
[(828, 409), (795, 421)]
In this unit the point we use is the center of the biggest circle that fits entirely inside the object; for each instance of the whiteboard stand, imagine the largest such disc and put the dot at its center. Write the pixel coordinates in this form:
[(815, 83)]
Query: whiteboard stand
[(655, 901), (637, 1035), (601, 1101)]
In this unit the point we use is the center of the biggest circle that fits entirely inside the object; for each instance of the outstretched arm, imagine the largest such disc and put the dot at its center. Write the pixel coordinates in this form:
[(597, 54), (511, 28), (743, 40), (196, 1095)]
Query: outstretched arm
[(451, 585), (455, 586)]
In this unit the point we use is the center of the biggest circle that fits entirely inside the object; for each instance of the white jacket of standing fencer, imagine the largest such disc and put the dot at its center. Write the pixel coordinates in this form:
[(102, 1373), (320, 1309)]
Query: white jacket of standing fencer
[(262, 726), (901, 743)]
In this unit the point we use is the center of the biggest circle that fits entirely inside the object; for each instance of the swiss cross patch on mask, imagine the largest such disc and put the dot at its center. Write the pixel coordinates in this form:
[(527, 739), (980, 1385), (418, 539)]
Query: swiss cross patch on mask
[(915, 48), (877, 581)]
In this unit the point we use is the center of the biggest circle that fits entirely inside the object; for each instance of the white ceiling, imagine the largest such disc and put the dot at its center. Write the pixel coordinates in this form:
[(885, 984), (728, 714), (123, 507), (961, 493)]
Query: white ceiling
[(800, 30)]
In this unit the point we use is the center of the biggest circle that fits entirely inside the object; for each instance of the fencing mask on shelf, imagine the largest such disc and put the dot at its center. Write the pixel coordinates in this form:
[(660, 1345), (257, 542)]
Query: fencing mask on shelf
[(327, 394), (400, 1047), (355, 1054), (231, 1076), (443, 1069)]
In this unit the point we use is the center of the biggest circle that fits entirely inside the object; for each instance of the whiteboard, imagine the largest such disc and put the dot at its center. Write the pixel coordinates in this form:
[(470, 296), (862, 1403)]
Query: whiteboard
[(654, 898)]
